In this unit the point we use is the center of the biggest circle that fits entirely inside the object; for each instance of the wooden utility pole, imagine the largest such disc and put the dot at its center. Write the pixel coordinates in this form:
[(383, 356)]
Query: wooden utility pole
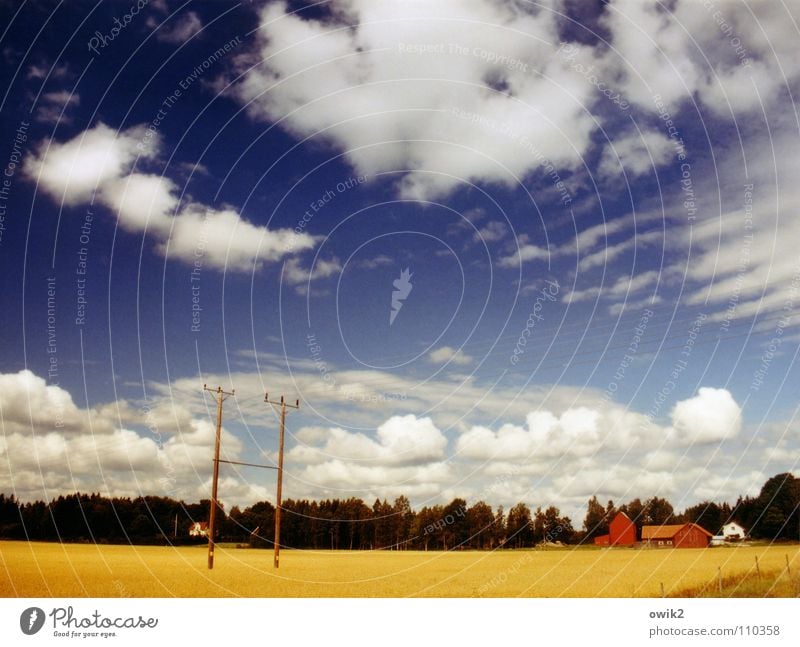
[(278, 494), (212, 515)]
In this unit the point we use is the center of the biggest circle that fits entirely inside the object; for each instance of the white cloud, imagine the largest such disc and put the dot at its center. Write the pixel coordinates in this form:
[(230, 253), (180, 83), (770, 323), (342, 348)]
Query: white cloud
[(49, 446), (744, 261), (578, 431), (101, 160), (691, 52), (401, 440), (622, 482), (526, 252), (447, 354), (222, 239), (406, 85), (185, 26), (334, 477), (53, 107), (717, 487), (710, 416), (612, 251), (594, 432), (623, 286), (574, 296), (27, 401), (491, 232), (378, 261), (300, 277), (637, 153), (405, 456), (589, 237), (563, 454), (359, 80), (45, 70), (616, 309), (70, 172), (141, 202)]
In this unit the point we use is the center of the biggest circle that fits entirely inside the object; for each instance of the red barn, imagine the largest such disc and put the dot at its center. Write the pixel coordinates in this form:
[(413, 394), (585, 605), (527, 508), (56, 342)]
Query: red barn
[(684, 535), (621, 532), (601, 540)]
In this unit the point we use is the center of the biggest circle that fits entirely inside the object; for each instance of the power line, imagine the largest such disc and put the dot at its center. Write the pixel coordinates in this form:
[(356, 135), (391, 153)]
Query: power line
[(266, 467)]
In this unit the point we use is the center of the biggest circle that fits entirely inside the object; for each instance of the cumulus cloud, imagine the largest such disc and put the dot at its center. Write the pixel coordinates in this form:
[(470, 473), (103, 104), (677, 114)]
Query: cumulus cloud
[(70, 172), (141, 201), (621, 482), (165, 448), (578, 431), (459, 91), (28, 402), (710, 416), (50, 446), (448, 354), (404, 456), (398, 441), (100, 162), (690, 52), (335, 476)]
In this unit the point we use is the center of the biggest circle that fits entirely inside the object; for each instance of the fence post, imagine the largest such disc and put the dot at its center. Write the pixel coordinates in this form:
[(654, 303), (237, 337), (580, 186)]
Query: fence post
[(719, 578), (758, 568), (788, 568), (663, 595)]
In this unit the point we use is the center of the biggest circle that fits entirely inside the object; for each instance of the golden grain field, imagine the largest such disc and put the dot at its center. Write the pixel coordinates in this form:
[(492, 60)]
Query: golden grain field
[(73, 570)]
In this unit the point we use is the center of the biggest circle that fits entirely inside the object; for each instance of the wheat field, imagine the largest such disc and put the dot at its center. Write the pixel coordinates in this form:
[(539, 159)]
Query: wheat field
[(76, 570)]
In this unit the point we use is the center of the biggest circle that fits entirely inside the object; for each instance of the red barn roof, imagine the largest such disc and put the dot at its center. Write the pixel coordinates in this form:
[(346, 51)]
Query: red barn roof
[(668, 531)]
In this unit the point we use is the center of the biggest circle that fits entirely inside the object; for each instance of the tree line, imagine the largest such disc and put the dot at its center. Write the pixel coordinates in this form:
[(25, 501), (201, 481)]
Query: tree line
[(351, 524), (774, 514)]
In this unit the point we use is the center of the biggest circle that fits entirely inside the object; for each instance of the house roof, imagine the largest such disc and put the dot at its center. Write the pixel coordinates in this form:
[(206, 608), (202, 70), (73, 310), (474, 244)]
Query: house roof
[(668, 531), (661, 532), (733, 523)]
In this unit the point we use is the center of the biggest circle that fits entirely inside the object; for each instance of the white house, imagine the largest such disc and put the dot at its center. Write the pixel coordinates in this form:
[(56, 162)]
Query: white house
[(732, 531), (198, 529)]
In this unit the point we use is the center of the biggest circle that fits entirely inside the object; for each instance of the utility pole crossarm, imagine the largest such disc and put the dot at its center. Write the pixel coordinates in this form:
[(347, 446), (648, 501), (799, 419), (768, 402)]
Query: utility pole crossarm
[(278, 494)]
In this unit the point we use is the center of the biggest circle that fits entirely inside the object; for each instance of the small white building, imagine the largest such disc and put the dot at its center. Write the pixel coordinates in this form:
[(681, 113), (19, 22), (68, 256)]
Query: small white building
[(198, 529), (732, 531)]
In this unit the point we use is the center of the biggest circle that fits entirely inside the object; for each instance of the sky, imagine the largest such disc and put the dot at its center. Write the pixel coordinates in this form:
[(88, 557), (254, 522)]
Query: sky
[(510, 251)]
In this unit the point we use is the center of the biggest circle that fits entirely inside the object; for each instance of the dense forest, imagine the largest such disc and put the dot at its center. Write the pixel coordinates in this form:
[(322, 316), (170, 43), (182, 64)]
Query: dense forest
[(352, 524)]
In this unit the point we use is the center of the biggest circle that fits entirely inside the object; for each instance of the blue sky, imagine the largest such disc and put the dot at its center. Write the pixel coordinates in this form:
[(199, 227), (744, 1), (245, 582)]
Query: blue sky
[(595, 206)]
